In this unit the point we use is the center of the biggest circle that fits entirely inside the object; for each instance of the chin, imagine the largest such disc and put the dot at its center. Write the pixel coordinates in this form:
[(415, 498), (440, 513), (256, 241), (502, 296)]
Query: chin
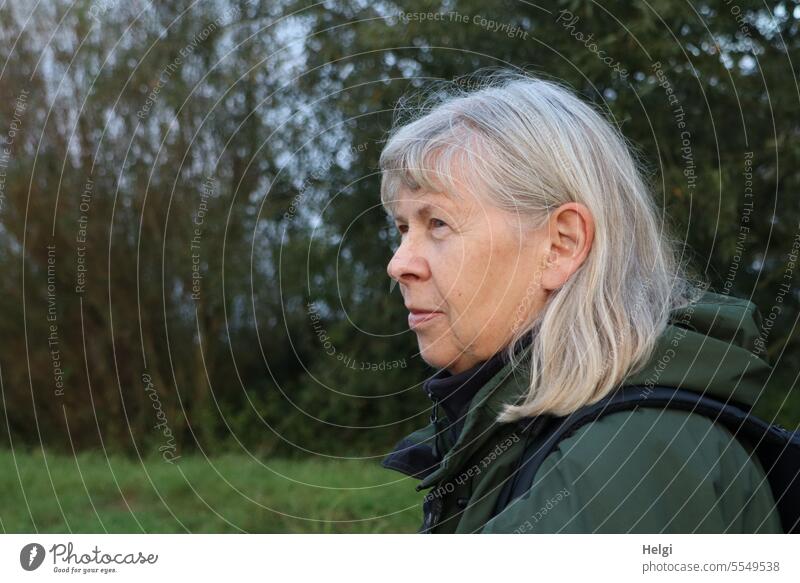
[(437, 358)]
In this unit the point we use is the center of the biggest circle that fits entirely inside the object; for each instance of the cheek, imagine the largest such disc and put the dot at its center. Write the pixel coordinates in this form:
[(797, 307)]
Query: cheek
[(471, 277), (471, 297), (497, 277), (450, 275)]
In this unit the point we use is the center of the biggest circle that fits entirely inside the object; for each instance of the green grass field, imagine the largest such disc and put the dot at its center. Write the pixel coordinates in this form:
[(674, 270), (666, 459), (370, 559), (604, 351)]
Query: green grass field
[(233, 493)]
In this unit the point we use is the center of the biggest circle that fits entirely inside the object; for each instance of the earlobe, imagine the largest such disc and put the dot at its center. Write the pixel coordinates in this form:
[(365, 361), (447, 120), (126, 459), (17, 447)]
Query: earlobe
[(553, 274), (550, 276)]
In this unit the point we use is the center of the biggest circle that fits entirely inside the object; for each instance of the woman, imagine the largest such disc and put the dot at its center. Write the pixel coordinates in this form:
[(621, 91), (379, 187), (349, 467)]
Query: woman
[(538, 280)]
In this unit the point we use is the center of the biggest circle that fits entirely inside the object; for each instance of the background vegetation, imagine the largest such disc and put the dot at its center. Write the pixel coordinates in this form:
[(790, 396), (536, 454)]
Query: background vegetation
[(235, 143)]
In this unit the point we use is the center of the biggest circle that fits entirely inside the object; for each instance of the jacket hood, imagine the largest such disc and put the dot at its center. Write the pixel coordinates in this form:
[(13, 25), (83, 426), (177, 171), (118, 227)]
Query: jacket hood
[(711, 347)]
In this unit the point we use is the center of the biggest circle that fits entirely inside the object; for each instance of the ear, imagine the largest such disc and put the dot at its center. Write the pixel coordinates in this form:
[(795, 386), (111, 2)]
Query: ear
[(570, 236)]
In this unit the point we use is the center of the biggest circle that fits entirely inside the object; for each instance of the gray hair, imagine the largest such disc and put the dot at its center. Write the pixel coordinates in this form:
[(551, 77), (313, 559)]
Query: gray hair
[(532, 145)]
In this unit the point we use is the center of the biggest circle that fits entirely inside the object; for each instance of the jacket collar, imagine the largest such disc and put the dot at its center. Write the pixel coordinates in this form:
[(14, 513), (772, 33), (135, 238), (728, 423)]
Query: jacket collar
[(417, 455), (507, 386)]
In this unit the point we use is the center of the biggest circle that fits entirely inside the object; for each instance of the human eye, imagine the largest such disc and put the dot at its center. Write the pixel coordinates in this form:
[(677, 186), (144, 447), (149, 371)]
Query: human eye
[(437, 223)]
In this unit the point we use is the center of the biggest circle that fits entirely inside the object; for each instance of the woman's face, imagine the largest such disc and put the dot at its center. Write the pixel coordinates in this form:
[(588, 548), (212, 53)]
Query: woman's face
[(470, 275)]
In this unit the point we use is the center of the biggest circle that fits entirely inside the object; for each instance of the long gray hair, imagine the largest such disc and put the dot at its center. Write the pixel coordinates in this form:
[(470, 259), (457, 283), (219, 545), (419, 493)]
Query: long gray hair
[(531, 145)]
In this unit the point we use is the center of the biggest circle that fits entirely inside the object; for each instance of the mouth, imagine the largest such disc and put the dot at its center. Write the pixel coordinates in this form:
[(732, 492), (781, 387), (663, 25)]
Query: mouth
[(419, 318)]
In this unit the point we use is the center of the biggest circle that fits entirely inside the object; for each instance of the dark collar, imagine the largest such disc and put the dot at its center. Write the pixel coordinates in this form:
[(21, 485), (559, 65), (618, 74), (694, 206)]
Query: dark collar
[(453, 392)]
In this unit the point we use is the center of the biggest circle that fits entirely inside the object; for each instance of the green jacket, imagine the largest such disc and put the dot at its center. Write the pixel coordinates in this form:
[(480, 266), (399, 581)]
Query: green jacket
[(645, 471)]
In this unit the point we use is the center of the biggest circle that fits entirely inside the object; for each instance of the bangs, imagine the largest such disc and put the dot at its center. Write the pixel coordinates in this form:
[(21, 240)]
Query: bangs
[(432, 157)]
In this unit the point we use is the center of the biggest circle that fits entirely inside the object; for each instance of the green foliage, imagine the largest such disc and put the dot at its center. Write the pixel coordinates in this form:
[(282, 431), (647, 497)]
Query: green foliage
[(280, 122)]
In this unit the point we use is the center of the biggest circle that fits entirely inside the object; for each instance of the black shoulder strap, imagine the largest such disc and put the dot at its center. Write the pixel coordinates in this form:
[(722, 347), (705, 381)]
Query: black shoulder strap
[(778, 450)]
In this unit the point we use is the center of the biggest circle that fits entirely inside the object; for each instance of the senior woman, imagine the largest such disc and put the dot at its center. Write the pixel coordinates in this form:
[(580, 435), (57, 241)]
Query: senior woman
[(538, 280)]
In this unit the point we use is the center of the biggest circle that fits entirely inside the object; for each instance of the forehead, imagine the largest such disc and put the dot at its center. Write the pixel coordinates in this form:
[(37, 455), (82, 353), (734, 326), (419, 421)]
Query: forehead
[(414, 204)]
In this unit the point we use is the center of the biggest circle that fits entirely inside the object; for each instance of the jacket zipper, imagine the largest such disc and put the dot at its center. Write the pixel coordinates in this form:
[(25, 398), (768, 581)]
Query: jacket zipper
[(432, 509), (435, 409), (434, 419)]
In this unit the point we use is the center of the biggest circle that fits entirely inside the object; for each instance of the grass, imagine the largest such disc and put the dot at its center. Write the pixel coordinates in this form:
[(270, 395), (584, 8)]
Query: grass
[(95, 493)]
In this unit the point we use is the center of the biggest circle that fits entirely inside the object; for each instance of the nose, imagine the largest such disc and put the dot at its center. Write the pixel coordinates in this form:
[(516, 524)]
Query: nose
[(408, 264)]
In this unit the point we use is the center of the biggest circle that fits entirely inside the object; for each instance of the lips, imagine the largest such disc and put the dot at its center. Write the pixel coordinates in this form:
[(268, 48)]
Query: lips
[(418, 318)]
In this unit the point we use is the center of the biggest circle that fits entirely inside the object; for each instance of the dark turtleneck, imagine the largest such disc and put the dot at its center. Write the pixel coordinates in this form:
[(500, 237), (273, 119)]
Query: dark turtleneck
[(454, 392)]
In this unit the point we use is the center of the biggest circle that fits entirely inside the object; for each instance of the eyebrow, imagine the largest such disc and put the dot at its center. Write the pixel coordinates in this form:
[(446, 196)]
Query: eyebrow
[(424, 211)]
